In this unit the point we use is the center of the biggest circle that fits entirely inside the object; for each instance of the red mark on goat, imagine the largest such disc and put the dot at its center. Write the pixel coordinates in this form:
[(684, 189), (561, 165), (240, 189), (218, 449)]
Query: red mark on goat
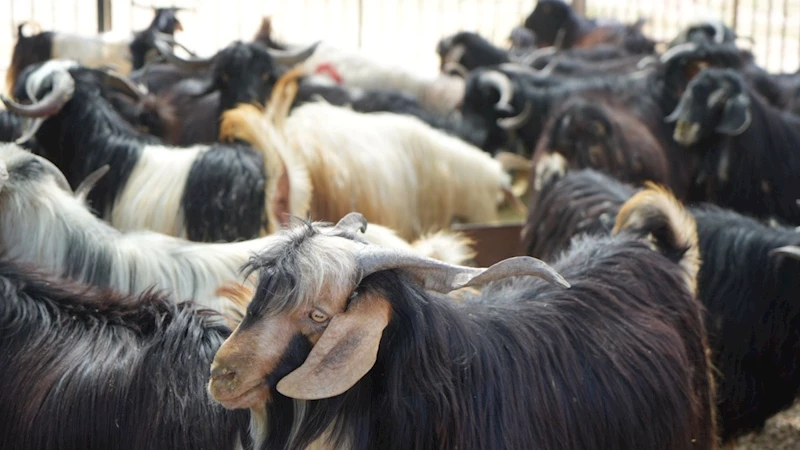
[(329, 70)]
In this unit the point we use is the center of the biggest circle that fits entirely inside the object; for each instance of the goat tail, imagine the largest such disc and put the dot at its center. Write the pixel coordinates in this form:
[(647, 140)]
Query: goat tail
[(448, 246), (283, 95), (656, 216)]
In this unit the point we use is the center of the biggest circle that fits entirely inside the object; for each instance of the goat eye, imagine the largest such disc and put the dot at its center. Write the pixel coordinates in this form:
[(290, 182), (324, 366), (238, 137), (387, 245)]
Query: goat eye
[(318, 316)]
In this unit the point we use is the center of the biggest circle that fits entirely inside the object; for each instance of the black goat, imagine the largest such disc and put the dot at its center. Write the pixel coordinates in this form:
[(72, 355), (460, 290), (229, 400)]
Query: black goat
[(555, 23), (240, 73), (568, 205), (89, 369), (465, 51), (222, 192), (746, 149), (750, 292), (617, 361)]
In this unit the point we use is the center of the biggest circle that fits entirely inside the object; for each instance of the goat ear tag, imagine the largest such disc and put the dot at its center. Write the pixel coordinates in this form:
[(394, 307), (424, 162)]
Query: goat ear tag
[(346, 351), (736, 116)]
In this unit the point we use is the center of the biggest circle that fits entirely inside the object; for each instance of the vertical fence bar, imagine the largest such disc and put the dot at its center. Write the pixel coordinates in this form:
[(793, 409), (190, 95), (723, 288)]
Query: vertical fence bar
[(784, 18)]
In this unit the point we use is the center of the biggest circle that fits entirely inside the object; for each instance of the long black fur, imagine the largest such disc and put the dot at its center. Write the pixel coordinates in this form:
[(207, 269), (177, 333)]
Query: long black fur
[(751, 297), (617, 361), (759, 166), (88, 369)]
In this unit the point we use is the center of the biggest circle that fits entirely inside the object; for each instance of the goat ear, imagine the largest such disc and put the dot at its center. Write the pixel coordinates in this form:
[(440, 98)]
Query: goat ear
[(346, 351), (736, 116)]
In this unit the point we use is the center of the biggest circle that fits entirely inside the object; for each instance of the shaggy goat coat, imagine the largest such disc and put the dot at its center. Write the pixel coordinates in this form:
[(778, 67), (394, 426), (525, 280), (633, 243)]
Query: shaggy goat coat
[(394, 169), (618, 361), (87, 369)]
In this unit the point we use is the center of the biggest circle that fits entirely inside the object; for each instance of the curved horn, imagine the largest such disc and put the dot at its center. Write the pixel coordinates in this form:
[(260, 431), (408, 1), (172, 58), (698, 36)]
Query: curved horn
[(292, 57), (59, 95), (680, 110), (125, 85), (791, 251), (442, 277), (90, 182), (502, 83), (165, 50), (515, 122), (678, 50), (534, 56), (719, 30), (30, 130), (454, 68), (351, 223)]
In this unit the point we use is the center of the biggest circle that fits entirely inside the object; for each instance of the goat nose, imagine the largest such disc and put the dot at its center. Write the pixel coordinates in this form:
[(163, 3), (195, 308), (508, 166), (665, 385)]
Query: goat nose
[(220, 373)]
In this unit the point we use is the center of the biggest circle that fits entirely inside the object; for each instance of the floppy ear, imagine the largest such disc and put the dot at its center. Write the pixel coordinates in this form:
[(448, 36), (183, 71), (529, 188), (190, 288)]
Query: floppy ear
[(346, 351), (736, 116)]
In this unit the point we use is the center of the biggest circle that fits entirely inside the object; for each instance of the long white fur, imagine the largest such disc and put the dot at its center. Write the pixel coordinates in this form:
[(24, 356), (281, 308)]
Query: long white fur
[(439, 94), (105, 49), (42, 224), (151, 199), (394, 169)]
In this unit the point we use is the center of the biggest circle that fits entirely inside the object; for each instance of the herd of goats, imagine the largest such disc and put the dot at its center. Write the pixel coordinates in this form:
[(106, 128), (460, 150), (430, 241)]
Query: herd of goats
[(186, 263)]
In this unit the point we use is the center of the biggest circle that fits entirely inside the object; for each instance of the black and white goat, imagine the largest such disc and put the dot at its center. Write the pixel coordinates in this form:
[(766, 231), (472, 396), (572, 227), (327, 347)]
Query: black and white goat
[(86, 368), (45, 225), (747, 150), (202, 193), (350, 342)]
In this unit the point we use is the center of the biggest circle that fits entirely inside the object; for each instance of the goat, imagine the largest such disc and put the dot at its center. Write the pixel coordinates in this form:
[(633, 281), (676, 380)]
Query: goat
[(439, 94), (581, 368), (122, 52), (555, 23), (44, 224), (202, 193), (240, 73), (748, 290), (706, 31), (746, 148), (391, 185), (567, 205), (465, 51), (92, 369), (594, 132)]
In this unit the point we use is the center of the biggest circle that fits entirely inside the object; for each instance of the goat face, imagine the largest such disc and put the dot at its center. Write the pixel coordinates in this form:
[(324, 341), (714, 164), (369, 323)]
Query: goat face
[(466, 51), (550, 19), (583, 134), (305, 307), (244, 73), (716, 101)]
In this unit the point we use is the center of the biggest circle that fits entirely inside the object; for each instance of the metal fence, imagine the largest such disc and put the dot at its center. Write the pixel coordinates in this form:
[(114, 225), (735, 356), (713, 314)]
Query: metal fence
[(403, 32)]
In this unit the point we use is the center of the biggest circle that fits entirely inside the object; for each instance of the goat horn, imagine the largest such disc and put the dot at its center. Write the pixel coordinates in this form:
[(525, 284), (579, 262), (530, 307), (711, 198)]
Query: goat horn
[(678, 50), (454, 68), (57, 174), (515, 122), (292, 57), (719, 30), (163, 47), (502, 83), (442, 277), (125, 85), (352, 222), (90, 182), (680, 110), (59, 95), (534, 56), (791, 251), (30, 130)]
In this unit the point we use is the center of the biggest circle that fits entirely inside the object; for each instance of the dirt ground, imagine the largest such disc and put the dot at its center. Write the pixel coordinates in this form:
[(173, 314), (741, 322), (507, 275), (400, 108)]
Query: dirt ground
[(782, 432)]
